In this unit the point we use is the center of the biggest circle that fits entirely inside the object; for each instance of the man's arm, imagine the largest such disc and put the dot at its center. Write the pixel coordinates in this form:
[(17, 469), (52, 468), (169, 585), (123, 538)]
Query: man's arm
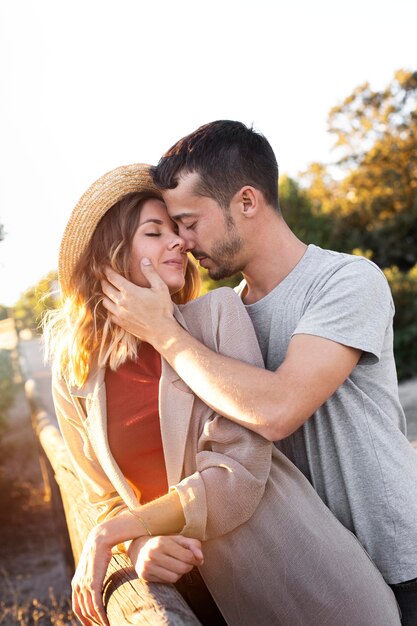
[(273, 404)]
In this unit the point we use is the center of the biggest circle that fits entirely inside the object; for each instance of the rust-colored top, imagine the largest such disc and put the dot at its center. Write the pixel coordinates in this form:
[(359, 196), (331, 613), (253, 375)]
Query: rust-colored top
[(133, 423)]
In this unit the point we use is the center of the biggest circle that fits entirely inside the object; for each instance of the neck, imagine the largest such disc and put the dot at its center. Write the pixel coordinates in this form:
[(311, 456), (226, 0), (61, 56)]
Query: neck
[(274, 254)]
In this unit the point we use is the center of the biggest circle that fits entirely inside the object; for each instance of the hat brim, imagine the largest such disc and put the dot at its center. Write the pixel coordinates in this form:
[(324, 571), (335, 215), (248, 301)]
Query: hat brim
[(96, 201)]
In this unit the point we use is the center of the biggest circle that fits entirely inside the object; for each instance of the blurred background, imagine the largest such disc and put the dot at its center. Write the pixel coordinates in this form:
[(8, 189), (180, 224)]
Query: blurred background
[(90, 85)]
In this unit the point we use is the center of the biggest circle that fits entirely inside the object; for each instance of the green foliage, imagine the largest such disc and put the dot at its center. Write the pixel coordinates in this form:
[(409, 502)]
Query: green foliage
[(4, 312), (34, 301), (208, 284), (305, 219), (372, 202), (404, 290), (375, 203), (7, 386)]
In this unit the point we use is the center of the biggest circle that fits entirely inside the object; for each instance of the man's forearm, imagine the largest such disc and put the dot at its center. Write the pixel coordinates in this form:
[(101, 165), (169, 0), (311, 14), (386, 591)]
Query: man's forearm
[(239, 391)]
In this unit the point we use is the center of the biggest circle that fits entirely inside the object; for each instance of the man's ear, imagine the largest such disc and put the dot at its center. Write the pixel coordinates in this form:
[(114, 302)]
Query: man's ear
[(248, 198)]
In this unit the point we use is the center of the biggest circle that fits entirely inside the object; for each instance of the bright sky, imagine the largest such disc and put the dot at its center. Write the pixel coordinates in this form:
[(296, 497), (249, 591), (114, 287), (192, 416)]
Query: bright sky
[(87, 85)]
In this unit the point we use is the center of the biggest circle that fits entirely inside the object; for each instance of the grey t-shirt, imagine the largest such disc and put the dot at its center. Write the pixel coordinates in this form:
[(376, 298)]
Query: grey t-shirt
[(353, 449)]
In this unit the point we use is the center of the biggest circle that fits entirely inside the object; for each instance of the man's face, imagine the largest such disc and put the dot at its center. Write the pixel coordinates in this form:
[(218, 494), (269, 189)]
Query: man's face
[(208, 231)]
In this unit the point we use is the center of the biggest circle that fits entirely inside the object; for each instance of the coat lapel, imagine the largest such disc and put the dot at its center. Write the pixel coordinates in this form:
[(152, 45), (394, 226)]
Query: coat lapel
[(176, 402), (94, 392), (175, 408)]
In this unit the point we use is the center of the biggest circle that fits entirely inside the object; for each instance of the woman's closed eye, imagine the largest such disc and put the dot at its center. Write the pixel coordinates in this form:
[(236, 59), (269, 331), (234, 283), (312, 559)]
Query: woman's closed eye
[(152, 234)]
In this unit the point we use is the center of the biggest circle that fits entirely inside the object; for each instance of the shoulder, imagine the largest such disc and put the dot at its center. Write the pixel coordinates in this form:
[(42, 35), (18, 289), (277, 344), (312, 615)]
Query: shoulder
[(216, 317), (364, 276), (339, 268), (213, 302)]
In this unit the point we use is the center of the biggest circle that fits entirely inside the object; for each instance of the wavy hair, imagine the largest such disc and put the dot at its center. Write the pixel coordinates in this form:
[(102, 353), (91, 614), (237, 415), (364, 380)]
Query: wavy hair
[(80, 336)]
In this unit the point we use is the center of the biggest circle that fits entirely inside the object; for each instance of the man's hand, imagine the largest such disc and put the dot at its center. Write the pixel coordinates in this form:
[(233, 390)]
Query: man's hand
[(165, 559), (142, 311)]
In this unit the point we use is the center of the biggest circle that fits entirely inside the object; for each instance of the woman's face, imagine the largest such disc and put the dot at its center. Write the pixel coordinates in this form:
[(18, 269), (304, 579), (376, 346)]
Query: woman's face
[(156, 238)]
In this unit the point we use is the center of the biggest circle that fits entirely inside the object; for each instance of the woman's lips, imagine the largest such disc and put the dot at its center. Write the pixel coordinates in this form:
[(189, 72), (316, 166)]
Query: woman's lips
[(178, 263)]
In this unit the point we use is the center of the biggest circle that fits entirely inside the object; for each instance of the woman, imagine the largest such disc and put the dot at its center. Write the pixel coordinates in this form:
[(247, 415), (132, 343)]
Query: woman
[(273, 553)]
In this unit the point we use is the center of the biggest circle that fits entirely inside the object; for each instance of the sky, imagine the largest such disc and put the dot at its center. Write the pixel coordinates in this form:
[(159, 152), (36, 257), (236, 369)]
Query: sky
[(88, 85)]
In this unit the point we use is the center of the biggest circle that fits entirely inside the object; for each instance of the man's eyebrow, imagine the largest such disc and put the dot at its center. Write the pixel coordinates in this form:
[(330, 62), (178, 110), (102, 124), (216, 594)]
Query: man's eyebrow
[(153, 220), (181, 216)]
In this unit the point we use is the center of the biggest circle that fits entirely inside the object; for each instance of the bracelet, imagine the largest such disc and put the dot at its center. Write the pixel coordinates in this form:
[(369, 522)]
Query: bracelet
[(142, 522)]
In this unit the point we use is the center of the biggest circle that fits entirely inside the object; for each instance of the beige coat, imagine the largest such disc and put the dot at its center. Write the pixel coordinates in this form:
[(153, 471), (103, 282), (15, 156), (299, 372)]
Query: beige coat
[(274, 554)]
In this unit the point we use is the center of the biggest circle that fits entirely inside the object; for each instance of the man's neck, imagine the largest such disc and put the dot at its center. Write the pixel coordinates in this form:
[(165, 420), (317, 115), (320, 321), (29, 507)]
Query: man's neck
[(274, 257)]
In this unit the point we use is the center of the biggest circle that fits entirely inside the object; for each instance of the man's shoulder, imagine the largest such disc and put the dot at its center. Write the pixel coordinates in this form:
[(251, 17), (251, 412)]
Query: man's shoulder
[(328, 263)]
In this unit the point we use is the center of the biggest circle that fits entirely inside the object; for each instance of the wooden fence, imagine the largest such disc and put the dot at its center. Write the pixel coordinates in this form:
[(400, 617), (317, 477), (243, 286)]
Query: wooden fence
[(128, 599)]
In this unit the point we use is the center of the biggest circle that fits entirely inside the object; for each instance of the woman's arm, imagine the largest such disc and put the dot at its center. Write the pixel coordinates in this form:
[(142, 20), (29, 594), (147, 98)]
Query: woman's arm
[(158, 558), (163, 516)]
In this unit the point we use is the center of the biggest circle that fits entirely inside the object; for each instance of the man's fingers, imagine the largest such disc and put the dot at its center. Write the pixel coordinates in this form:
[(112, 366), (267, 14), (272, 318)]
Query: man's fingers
[(111, 292), (151, 274), (110, 306), (116, 279)]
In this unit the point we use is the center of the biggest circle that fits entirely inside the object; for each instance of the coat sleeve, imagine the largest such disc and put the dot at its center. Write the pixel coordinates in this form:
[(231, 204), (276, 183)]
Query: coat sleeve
[(97, 487), (233, 463)]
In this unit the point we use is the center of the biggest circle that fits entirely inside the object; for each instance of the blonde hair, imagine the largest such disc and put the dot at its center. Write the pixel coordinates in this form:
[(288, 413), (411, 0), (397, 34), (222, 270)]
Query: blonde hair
[(80, 336)]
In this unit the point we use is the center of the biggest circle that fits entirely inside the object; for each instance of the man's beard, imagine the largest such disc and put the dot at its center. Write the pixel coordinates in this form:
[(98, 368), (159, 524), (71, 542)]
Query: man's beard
[(223, 254)]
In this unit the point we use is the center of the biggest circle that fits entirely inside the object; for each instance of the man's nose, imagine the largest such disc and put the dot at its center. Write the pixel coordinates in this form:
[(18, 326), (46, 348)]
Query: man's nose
[(187, 237)]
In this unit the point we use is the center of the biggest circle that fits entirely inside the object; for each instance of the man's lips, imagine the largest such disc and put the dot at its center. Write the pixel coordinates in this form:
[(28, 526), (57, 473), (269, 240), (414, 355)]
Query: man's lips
[(199, 256), (203, 260)]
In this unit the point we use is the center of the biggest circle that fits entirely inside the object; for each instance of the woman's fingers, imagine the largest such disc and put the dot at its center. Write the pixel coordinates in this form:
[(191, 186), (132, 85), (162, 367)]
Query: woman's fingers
[(168, 570), (88, 607), (166, 559), (79, 609), (194, 545), (88, 580)]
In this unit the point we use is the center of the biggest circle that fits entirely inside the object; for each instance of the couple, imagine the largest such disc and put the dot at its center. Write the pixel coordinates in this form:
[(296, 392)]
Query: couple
[(166, 471)]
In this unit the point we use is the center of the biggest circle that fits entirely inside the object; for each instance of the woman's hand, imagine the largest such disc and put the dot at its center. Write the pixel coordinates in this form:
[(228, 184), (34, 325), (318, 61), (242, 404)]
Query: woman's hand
[(165, 559), (87, 584)]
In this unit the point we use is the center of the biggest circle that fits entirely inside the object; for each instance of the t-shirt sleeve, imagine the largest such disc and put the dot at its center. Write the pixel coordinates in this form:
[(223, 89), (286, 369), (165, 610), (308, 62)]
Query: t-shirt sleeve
[(353, 307)]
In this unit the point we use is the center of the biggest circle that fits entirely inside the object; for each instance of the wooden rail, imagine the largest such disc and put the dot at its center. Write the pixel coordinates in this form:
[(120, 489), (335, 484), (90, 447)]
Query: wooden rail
[(128, 599)]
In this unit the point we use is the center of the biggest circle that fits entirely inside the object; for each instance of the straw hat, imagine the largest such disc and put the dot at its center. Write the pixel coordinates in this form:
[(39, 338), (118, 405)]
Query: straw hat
[(96, 201)]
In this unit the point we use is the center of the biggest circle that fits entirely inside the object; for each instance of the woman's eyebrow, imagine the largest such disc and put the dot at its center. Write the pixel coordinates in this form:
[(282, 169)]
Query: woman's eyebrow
[(153, 220)]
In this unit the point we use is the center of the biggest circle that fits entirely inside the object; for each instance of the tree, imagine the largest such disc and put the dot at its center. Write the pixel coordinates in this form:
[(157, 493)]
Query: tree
[(375, 203), (35, 301), (306, 217)]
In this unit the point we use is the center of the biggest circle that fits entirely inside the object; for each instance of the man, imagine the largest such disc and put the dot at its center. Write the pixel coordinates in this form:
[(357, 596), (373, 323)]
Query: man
[(329, 396)]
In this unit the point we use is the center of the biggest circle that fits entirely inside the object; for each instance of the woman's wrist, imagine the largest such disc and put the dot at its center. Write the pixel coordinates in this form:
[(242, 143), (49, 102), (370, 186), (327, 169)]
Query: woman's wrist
[(118, 530)]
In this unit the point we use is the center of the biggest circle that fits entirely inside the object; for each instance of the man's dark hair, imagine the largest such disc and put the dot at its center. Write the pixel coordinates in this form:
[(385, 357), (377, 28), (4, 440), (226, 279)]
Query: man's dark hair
[(227, 155)]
